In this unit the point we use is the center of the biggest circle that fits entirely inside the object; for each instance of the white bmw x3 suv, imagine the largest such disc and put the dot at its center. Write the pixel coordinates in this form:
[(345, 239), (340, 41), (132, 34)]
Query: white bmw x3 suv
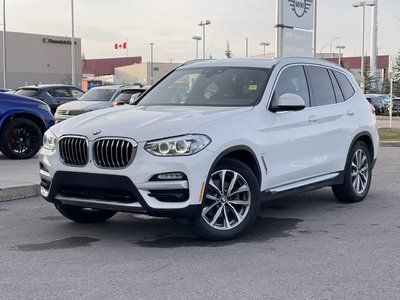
[(212, 140)]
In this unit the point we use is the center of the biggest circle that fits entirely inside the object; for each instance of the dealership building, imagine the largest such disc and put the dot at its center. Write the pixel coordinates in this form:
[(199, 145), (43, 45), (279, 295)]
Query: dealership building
[(39, 58)]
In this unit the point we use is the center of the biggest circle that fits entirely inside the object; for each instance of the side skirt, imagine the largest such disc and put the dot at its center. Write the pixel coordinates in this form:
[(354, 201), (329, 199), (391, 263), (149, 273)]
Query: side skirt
[(302, 186)]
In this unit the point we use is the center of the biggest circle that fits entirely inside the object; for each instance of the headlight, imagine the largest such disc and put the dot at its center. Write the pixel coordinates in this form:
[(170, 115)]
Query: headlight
[(49, 140), (45, 107), (178, 146)]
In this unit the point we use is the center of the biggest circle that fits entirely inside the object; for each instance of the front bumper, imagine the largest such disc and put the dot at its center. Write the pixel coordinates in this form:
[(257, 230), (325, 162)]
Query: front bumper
[(110, 192), (131, 189)]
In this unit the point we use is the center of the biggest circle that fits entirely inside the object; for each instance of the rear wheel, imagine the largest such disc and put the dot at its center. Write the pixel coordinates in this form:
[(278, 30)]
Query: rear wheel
[(84, 215), (357, 179), (231, 202), (20, 139)]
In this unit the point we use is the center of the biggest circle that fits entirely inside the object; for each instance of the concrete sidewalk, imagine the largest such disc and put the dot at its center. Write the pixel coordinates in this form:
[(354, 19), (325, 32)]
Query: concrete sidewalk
[(18, 178)]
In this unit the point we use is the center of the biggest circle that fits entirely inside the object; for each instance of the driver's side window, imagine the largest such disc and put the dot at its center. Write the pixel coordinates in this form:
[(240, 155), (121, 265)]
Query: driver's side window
[(292, 80)]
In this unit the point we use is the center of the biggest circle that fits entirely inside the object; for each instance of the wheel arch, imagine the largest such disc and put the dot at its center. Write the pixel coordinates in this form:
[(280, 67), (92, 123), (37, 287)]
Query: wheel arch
[(35, 119), (243, 154), (365, 137)]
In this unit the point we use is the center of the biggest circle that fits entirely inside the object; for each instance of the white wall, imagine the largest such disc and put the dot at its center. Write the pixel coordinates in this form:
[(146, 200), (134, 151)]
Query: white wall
[(30, 60)]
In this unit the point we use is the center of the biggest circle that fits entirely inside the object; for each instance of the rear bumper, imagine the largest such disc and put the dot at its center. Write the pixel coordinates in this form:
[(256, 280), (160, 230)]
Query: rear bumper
[(111, 192)]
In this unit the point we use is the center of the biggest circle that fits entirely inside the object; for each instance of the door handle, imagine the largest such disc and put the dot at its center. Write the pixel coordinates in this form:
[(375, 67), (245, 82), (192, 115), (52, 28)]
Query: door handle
[(312, 119), (350, 112)]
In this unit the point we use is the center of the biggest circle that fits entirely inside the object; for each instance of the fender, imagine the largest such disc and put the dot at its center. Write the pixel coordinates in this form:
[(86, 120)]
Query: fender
[(232, 149)]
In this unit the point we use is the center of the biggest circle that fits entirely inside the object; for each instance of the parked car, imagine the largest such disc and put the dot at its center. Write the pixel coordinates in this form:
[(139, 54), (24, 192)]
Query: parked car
[(94, 99), (379, 103), (126, 94), (52, 94), (212, 140), (396, 107), (23, 121)]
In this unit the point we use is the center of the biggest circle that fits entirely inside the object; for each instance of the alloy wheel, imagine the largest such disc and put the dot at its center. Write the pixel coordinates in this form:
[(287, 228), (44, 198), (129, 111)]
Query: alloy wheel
[(23, 139), (360, 171), (227, 200)]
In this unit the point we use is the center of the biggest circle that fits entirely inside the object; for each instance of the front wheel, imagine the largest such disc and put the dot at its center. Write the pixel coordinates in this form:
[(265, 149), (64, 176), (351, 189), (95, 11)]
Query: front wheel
[(231, 202), (357, 177), (84, 215), (20, 139)]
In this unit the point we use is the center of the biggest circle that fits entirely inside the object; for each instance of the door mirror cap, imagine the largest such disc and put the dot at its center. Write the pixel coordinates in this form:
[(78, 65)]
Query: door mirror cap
[(133, 99), (290, 101)]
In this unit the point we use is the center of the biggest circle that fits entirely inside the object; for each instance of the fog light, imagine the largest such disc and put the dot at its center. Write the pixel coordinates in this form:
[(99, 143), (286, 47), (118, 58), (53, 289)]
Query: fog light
[(171, 176)]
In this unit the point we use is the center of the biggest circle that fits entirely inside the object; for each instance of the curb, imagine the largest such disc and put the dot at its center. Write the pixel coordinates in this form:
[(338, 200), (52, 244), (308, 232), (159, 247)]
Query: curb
[(19, 192), (389, 144)]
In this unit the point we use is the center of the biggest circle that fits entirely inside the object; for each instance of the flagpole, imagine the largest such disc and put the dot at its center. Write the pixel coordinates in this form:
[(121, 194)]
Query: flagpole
[(72, 45)]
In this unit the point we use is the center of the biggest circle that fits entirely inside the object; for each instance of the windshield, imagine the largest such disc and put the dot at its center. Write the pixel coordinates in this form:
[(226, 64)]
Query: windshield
[(210, 86), (97, 95), (27, 92)]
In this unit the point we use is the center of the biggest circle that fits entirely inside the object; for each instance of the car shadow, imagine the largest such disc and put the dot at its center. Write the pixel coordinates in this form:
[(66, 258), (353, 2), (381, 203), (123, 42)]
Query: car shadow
[(277, 219)]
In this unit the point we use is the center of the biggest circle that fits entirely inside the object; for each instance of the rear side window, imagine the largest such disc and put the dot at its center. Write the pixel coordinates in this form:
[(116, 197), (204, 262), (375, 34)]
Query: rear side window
[(60, 92), (321, 86), (345, 85), (338, 92)]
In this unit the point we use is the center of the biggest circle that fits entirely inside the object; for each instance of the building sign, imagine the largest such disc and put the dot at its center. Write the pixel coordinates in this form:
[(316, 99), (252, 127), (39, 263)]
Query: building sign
[(294, 27), (298, 13), (61, 42), (297, 43)]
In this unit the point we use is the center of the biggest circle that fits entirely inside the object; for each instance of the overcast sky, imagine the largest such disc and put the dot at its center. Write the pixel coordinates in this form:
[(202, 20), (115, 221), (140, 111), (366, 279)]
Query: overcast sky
[(171, 25)]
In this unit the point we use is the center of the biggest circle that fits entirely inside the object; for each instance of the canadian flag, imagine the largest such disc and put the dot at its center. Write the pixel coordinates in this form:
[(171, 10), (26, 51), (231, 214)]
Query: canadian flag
[(120, 45)]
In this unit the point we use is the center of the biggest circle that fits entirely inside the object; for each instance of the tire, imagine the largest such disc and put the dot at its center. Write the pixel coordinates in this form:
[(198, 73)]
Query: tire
[(84, 215), (357, 175), (226, 216), (20, 139)]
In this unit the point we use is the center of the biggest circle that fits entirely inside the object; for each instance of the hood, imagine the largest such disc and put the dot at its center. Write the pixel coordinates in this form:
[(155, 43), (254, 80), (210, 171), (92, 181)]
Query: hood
[(84, 105), (143, 123), (19, 100)]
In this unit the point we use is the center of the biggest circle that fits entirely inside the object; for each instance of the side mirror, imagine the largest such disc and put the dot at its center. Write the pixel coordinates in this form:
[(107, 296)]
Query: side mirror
[(289, 102), (133, 99)]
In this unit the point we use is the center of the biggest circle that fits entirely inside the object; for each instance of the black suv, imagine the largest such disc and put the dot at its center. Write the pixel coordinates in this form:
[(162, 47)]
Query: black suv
[(52, 94)]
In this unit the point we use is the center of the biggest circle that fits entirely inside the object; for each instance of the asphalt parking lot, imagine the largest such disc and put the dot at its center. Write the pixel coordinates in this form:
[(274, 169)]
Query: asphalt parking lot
[(303, 247)]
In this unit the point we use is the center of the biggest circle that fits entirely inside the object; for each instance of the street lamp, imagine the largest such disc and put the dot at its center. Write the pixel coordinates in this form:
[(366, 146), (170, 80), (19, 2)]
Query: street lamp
[(264, 44), (330, 48), (363, 4), (151, 64), (340, 47), (204, 24), (197, 39), (72, 45), (4, 47)]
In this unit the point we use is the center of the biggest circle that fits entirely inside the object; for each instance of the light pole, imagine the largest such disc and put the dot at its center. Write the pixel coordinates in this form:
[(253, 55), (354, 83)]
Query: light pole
[(264, 44), (330, 48), (72, 45), (197, 39), (247, 47), (363, 4), (151, 64), (208, 49), (340, 47), (4, 47), (204, 24)]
